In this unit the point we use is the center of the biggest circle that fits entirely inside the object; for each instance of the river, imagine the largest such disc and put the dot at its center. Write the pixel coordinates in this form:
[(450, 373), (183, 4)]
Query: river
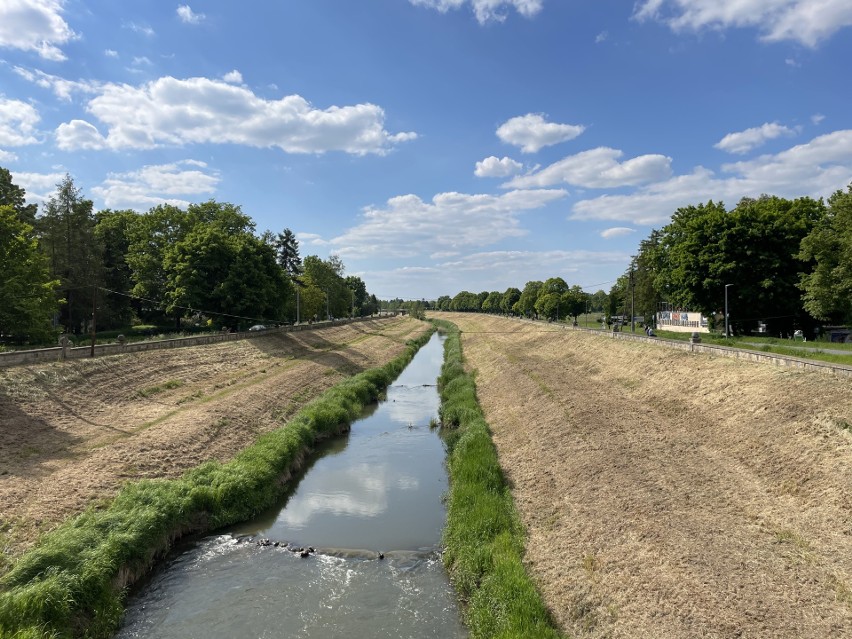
[(368, 504)]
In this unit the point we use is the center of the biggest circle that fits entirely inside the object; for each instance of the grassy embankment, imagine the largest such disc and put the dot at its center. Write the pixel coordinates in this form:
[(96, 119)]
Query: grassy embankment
[(483, 539), (73, 582)]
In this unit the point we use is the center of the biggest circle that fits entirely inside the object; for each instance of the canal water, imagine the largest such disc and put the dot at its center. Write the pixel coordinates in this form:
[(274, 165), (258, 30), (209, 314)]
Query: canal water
[(369, 504)]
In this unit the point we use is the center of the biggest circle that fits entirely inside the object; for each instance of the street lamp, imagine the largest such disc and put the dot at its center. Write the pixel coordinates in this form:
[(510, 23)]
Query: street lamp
[(726, 310)]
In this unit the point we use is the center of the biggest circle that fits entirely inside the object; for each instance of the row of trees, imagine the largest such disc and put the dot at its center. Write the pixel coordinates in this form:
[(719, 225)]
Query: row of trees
[(787, 264), (67, 263), (552, 299)]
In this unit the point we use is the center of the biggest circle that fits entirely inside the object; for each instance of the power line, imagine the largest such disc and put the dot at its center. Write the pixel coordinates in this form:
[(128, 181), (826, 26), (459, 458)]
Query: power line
[(186, 308)]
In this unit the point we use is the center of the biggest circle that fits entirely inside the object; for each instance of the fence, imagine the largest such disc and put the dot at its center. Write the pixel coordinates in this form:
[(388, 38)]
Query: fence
[(58, 353)]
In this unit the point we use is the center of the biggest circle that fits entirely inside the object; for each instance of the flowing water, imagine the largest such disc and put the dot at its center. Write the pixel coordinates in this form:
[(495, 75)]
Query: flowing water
[(370, 507)]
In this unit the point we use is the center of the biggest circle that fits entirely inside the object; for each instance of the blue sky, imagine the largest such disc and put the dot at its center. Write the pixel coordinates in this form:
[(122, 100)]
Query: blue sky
[(435, 145)]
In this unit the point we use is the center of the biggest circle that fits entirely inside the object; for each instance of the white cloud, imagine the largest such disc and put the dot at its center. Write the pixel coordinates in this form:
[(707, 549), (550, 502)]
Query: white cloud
[(188, 16), (804, 21), (79, 134), (141, 60), (408, 226), (62, 88), (169, 111), (496, 271), (816, 118), (601, 37), (18, 123), (497, 167), (156, 184), (815, 169), (144, 29), (616, 231), (35, 25), (39, 186), (531, 132), (233, 77), (485, 10), (313, 239), (597, 168), (110, 53), (745, 141), (533, 261), (7, 156)]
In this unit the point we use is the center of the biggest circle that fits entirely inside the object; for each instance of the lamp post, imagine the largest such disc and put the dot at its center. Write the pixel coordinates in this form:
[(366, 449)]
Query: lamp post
[(726, 310)]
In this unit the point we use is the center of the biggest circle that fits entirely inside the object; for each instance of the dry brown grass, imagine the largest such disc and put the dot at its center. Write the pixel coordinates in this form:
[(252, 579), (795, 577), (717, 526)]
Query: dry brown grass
[(71, 433), (668, 494)]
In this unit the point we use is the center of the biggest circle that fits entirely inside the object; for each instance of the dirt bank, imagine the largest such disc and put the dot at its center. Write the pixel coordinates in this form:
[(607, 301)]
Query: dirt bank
[(71, 433), (668, 494)]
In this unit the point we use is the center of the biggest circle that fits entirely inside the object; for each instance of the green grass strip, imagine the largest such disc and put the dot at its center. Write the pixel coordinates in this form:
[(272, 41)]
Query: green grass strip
[(483, 538), (73, 582)]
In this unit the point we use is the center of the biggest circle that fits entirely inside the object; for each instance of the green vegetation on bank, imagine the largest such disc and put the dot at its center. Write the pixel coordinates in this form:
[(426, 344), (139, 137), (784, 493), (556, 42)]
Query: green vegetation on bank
[(483, 539), (73, 582)]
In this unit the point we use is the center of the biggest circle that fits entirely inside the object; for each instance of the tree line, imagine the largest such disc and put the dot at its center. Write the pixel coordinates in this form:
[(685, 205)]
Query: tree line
[(66, 264), (786, 264)]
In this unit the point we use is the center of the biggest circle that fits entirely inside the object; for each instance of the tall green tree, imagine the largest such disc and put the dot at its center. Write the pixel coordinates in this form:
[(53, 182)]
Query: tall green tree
[(287, 248), (754, 247), (67, 230), (828, 286), (27, 290), (527, 300), (112, 232), (13, 195), (510, 297)]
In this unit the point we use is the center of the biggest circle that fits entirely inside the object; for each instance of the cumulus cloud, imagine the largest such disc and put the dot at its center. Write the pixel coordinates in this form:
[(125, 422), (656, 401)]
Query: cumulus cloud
[(35, 25), (79, 134), (485, 10), (597, 168), (18, 123), (531, 132), (497, 167), (745, 141), (188, 16), (496, 271), (816, 168), (816, 118), (62, 88), (169, 111), (233, 77), (7, 156), (156, 184), (39, 186), (806, 21), (407, 226), (110, 53), (616, 231)]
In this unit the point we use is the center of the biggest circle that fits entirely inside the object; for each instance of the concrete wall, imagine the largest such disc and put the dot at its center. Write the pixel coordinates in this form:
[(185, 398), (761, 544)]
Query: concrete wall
[(20, 358)]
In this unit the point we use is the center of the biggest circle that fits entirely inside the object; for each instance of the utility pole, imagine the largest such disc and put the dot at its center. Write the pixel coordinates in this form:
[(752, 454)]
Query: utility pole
[(94, 311), (726, 310), (297, 303), (327, 313), (632, 301)]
